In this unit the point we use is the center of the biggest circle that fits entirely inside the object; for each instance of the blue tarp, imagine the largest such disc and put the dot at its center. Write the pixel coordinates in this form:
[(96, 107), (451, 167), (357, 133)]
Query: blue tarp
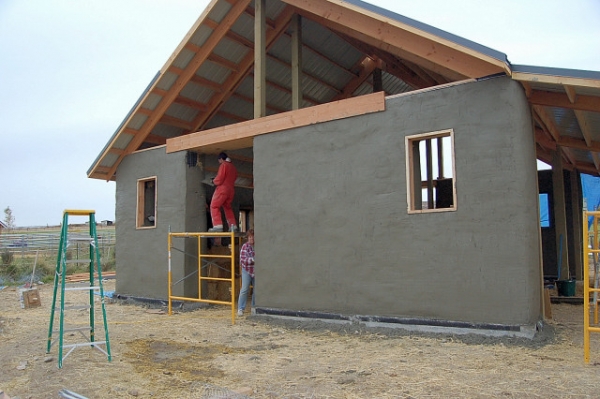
[(544, 212), (590, 186)]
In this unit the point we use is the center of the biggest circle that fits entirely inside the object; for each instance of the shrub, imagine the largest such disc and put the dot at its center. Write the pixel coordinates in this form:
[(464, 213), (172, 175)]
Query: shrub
[(7, 257)]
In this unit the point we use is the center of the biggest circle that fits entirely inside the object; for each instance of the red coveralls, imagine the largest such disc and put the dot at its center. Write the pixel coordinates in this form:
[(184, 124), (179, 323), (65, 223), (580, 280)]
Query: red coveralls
[(223, 195)]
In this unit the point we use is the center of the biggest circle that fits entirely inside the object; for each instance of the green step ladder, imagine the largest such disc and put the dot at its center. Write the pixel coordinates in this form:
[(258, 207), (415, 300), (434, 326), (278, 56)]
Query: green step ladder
[(93, 286)]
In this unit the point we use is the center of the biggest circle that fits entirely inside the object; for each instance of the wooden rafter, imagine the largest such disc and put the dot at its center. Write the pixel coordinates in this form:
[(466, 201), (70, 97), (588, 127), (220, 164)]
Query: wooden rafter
[(156, 140), (434, 53), (561, 100), (175, 122), (182, 79), (188, 102), (392, 64), (367, 66), (546, 121), (584, 126), (579, 115), (235, 79)]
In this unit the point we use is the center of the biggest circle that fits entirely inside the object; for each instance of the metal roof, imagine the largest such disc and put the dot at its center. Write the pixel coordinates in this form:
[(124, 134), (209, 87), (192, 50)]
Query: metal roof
[(208, 81)]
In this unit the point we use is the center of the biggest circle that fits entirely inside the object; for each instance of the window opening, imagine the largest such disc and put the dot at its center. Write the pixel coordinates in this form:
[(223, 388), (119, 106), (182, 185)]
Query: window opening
[(146, 202), (430, 172)]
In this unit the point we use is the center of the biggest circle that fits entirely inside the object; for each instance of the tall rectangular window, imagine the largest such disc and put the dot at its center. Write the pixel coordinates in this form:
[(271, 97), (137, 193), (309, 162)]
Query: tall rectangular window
[(146, 202), (430, 172)]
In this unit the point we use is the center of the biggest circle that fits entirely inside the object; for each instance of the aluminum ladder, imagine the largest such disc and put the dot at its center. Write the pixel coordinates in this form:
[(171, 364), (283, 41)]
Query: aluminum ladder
[(68, 237)]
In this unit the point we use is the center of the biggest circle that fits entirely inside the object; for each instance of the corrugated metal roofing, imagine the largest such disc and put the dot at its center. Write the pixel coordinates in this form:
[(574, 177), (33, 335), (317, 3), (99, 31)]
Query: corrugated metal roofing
[(337, 62), (569, 100)]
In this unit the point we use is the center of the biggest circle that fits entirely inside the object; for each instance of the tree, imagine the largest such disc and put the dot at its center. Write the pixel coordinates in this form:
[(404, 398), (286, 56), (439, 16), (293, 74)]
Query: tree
[(9, 219)]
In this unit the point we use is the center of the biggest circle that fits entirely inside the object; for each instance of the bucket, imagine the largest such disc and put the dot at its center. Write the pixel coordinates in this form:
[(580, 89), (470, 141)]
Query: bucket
[(565, 287)]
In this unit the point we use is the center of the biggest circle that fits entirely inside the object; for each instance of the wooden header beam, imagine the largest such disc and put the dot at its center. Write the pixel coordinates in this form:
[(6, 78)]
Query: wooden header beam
[(241, 135)]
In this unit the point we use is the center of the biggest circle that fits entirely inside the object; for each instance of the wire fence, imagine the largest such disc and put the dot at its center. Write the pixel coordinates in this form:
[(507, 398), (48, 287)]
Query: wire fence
[(27, 252)]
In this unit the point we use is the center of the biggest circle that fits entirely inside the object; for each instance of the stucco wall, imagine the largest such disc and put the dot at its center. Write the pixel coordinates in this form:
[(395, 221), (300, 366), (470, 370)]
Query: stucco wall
[(141, 254), (332, 229)]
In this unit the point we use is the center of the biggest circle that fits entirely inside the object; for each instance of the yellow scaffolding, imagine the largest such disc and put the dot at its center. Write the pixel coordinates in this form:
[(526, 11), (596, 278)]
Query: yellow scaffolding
[(203, 256), (590, 249)]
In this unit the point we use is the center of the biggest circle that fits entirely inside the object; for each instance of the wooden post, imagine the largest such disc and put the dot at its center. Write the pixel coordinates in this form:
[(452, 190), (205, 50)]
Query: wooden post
[(260, 60), (296, 27), (560, 215)]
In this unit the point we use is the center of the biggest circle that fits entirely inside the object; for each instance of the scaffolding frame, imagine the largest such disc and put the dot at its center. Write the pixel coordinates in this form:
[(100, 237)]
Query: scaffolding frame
[(590, 249), (205, 257)]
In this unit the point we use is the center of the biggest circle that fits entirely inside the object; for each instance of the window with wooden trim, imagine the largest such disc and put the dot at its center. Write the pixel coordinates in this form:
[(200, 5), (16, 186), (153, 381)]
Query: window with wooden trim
[(146, 203), (430, 172)]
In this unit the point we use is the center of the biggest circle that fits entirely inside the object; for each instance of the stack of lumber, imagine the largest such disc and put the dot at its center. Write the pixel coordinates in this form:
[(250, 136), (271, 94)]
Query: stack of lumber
[(79, 277)]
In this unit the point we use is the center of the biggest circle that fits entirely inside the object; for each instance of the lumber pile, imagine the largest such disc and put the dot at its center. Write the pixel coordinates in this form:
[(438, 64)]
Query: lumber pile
[(80, 277)]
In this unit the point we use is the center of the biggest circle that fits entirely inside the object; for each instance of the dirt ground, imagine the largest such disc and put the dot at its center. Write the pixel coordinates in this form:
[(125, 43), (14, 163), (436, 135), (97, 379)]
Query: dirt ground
[(198, 353)]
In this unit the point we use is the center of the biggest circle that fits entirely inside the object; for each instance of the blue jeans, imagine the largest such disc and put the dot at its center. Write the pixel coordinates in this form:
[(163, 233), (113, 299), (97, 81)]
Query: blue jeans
[(247, 279)]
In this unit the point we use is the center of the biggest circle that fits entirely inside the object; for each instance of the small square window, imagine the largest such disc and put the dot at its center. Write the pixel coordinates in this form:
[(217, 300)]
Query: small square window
[(146, 203), (430, 172)]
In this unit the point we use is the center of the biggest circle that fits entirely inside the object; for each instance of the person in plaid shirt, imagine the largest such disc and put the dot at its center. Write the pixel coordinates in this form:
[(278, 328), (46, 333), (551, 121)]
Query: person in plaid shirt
[(247, 262)]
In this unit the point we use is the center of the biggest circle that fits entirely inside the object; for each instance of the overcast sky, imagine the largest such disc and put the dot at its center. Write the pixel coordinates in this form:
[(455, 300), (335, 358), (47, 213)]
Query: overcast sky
[(71, 70)]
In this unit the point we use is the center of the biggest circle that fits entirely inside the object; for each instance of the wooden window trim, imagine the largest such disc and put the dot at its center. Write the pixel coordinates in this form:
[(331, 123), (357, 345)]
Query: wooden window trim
[(140, 203), (410, 191)]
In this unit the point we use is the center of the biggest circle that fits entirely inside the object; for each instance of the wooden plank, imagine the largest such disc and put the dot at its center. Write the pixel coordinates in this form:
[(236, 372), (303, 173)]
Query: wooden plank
[(245, 131), (553, 99), (448, 58), (556, 79)]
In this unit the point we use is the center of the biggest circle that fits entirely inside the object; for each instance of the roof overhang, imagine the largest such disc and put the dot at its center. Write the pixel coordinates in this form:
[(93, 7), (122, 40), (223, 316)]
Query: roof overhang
[(566, 110), (202, 98)]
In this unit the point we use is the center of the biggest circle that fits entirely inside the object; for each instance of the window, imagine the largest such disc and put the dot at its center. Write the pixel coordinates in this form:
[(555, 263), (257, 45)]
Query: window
[(146, 203), (430, 172)]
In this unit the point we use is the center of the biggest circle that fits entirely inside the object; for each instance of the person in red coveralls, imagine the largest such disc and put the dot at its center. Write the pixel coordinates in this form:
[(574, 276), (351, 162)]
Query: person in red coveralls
[(223, 196)]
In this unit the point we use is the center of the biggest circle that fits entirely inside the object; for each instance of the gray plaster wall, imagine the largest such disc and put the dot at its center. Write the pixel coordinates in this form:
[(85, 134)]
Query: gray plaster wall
[(142, 254), (332, 229)]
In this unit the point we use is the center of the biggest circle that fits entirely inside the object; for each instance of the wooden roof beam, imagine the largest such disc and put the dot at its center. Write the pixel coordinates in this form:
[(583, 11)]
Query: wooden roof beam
[(423, 48), (241, 135), (546, 121), (236, 10), (235, 79), (367, 66), (393, 65), (543, 139), (579, 115), (561, 100), (176, 122), (155, 139), (188, 102)]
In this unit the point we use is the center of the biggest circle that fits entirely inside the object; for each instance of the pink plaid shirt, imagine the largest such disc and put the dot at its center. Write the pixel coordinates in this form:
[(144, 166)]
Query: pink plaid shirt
[(247, 258)]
